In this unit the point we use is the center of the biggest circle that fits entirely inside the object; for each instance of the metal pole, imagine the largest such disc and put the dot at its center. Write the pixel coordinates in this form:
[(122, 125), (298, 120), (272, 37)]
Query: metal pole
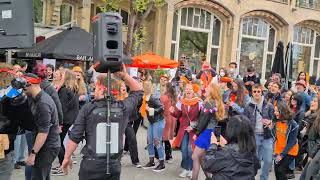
[(108, 129), (9, 56)]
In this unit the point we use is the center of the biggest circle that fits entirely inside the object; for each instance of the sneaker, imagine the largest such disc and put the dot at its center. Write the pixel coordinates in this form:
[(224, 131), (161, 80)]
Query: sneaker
[(150, 165), (290, 176), (137, 165), (74, 162), (184, 173), (58, 173), (22, 163), (299, 169), (17, 166), (189, 174), (54, 169), (160, 167)]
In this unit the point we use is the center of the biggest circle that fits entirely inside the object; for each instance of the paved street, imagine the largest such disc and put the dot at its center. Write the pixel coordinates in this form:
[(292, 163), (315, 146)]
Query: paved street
[(128, 171)]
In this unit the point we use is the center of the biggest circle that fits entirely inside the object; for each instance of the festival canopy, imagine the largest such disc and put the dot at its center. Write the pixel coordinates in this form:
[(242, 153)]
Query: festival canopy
[(71, 44), (150, 60)]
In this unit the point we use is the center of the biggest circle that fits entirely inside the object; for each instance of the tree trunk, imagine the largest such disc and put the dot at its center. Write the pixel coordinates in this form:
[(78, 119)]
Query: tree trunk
[(131, 23)]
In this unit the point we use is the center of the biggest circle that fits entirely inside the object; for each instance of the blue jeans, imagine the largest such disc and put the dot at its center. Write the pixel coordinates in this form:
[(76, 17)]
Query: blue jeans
[(20, 147), (186, 151), (264, 152), (28, 169), (6, 166), (155, 131)]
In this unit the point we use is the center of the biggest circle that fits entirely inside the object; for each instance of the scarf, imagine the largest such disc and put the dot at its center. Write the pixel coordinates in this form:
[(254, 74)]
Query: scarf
[(206, 78), (190, 102), (143, 108)]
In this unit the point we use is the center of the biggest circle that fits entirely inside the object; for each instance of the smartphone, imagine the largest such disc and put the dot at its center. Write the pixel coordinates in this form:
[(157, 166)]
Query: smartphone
[(217, 132)]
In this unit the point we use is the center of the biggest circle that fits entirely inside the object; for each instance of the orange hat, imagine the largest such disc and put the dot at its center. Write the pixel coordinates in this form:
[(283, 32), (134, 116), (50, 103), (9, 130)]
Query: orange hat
[(226, 79), (77, 69)]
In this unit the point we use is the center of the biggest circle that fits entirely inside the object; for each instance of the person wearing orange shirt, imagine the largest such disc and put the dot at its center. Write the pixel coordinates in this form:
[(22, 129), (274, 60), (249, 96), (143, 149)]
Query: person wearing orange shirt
[(285, 132)]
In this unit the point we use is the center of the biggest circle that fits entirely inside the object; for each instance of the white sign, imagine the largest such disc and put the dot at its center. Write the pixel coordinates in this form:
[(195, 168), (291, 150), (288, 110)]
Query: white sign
[(84, 58), (101, 138), (49, 61), (6, 14)]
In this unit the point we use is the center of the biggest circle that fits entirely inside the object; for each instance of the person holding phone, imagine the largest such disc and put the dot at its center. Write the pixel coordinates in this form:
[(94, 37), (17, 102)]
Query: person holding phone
[(211, 112), (234, 156), (260, 114)]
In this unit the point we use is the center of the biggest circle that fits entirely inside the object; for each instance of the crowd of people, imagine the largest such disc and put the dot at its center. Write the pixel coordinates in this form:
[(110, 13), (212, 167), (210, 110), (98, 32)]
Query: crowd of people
[(226, 125)]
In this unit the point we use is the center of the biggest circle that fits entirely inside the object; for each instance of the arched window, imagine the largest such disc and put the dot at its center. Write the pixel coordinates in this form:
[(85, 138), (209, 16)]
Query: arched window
[(257, 46), (196, 35), (66, 13), (305, 51)]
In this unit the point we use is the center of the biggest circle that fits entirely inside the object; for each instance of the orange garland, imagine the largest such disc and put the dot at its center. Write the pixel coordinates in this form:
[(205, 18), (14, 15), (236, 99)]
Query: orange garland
[(143, 108), (190, 102)]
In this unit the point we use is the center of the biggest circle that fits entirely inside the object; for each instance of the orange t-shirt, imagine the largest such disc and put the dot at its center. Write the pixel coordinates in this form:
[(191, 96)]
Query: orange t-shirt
[(281, 140)]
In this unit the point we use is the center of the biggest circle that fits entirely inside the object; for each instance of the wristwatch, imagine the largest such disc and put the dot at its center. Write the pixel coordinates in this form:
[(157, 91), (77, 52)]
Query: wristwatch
[(33, 152)]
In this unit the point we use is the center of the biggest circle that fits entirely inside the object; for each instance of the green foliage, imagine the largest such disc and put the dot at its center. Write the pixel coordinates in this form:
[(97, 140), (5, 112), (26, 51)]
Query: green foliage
[(141, 6), (110, 5), (38, 9), (139, 36)]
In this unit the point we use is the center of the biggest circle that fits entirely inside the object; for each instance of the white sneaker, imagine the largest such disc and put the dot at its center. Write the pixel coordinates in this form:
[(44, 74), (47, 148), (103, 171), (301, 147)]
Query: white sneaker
[(184, 173), (189, 174)]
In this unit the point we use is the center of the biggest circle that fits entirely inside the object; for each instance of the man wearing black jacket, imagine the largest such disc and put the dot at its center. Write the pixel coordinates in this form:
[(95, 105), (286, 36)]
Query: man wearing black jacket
[(260, 114)]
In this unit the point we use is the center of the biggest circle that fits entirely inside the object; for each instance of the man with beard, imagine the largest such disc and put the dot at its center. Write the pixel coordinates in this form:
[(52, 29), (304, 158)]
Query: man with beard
[(46, 134)]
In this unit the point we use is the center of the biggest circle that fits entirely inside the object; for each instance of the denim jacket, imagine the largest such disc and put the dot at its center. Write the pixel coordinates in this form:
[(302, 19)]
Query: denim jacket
[(292, 133), (267, 112)]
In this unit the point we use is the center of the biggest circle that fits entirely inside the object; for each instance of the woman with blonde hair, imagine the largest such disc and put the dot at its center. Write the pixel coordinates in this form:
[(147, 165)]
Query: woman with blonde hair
[(67, 91), (82, 87), (186, 111), (211, 112), (57, 79), (152, 111)]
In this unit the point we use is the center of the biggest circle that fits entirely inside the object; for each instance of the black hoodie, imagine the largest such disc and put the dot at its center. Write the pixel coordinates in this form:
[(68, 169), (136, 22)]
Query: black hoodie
[(46, 86), (228, 163)]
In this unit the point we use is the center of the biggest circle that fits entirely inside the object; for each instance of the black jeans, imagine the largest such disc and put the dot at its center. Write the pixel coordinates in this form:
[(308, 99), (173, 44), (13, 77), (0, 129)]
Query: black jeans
[(281, 168), (95, 169), (63, 134), (131, 142), (42, 167)]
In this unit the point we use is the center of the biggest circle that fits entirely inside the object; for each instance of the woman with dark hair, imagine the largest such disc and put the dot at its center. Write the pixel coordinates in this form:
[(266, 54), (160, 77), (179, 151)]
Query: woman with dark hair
[(49, 72), (311, 170), (285, 131), (301, 76), (234, 157), (168, 99), (235, 99), (222, 73)]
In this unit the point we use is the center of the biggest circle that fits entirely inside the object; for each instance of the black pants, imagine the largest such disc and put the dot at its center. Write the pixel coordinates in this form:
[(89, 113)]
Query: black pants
[(168, 149), (96, 170), (131, 143), (42, 167), (281, 168), (63, 134)]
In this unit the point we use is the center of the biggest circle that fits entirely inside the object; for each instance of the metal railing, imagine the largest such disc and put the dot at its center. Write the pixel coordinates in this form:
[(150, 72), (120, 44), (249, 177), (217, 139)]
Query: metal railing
[(61, 27), (312, 4)]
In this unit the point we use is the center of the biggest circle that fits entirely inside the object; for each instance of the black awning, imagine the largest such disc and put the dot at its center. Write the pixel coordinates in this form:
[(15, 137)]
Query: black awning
[(71, 44)]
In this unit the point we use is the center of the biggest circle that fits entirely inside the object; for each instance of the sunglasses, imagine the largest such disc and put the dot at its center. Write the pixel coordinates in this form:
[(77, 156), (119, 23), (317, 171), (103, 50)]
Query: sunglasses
[(256, 91)]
